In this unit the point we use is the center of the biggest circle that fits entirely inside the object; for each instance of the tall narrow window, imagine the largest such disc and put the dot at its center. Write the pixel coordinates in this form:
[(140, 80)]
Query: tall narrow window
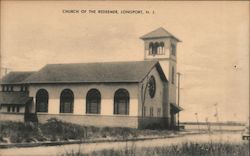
[(155, 49), (8, 109), (121, 102), (144, 110), (8, 88), (66, 101), (151, 47), (17, 109), (151, 111), (22, 88), (173, 75), (152, 86), (161, 48), (93, 102), (25, 88), (173, 52), (42, 98), (159, 112), (13, 108)]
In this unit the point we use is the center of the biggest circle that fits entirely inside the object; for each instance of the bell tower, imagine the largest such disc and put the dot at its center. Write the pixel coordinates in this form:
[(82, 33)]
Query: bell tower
[(161, 45)]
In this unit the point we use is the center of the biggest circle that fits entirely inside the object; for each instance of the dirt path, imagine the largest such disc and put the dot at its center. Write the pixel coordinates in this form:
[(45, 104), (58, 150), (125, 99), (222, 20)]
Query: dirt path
[(86, 148)]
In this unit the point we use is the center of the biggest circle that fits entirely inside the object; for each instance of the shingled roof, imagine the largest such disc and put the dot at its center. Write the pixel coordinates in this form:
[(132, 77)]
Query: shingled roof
[(159, 33), (134, 71), (15, 77)]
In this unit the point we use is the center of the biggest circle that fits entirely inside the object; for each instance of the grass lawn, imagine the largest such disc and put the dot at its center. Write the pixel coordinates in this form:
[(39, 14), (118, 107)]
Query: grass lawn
[(55, 130), (185, 149)]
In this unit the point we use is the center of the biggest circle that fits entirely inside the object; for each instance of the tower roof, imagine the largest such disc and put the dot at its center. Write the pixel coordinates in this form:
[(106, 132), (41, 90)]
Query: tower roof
[(159, 33)]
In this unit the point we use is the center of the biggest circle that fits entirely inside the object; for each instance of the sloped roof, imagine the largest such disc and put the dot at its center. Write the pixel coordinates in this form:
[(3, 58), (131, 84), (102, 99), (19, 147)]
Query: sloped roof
[(15, 77), (159, 33), (15, 98), (95, 72)]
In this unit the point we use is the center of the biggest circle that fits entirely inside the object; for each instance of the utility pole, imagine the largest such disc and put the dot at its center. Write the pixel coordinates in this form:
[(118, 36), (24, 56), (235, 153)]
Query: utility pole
[(0, 63), (196, 114), (178, 115), (217, 116), (208, 125)]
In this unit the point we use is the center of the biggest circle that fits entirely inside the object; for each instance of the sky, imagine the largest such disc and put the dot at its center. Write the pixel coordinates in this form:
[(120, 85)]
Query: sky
[(213, 56)]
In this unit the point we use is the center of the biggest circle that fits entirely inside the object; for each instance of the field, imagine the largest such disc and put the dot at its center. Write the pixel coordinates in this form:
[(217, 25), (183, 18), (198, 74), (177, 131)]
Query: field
[(175, 143)]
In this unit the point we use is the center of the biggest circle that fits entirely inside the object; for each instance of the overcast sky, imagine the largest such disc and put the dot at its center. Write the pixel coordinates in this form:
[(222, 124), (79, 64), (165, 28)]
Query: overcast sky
[(213, 55)]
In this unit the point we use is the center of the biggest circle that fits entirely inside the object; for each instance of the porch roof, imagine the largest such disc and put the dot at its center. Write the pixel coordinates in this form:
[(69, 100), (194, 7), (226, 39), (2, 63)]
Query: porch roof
[(14, 98), (15, 77), (175, 108)]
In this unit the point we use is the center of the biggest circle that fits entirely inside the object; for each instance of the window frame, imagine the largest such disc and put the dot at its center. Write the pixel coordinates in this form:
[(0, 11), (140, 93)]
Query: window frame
[(173, 75), (151, 112), (89, 102), (121, 95), (150, 48), (8, 109), (144, 113), (158, 112), (17, 109), (13, 110), (152, 81), (43, 99), (173, 49), (63, 100), (3, 88)]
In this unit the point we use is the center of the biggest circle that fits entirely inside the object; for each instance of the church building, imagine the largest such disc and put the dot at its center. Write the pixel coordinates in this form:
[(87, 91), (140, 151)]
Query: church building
[(135, 94)]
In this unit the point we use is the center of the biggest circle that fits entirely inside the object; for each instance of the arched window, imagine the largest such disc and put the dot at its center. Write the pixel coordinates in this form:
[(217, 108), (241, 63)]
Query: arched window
[(66, 101), (161, 48), (121, 102), (173, 75), (93, 102), (151, 47), (42, 98), (152, 86), (155, 49)]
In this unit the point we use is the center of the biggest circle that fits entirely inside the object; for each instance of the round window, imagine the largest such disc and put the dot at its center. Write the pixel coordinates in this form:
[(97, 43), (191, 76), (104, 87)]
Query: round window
[(151, 86)]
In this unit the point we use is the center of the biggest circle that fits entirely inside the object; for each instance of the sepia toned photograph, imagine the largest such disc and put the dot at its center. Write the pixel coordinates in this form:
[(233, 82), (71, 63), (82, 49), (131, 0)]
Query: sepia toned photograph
[(124, 78)]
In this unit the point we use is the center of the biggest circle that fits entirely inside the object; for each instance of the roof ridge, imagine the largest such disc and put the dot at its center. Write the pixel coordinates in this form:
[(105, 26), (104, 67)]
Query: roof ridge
[(21, 72), (106, 62), (167, 31), (127, 71)]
